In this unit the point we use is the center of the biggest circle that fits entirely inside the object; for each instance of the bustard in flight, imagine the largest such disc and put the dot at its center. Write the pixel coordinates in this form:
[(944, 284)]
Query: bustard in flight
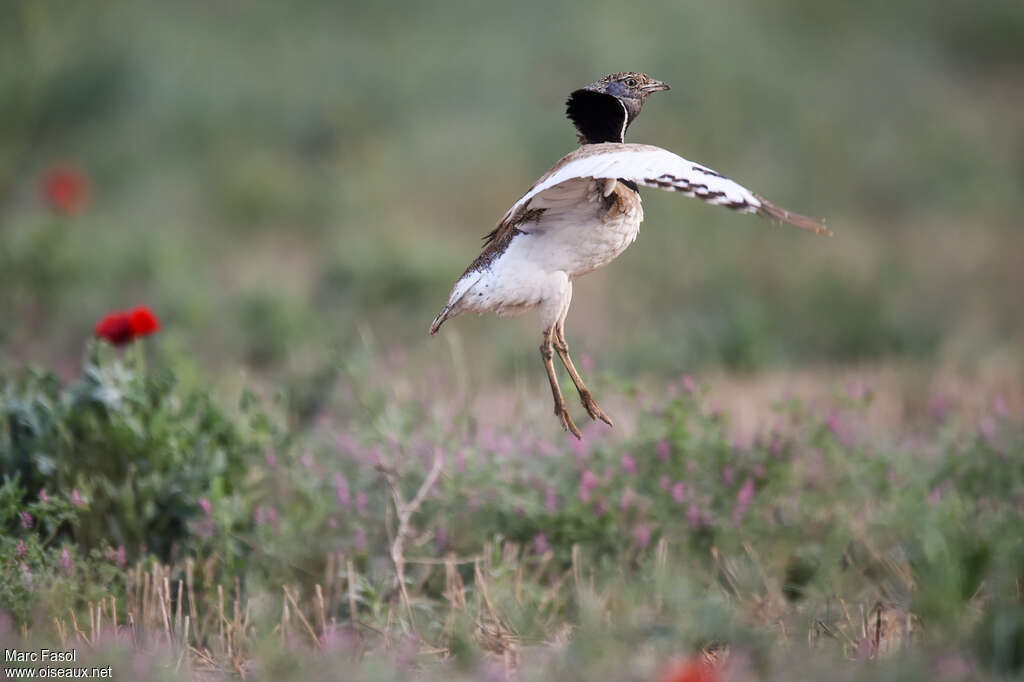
[(581, 215)]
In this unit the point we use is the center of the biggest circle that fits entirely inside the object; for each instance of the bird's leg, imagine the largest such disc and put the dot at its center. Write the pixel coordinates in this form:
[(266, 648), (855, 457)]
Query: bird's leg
[(561, 411), (589, 404)]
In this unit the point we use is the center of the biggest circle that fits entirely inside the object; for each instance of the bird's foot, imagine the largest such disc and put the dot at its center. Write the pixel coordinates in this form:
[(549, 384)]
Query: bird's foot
[(562, 412), (593, 409)]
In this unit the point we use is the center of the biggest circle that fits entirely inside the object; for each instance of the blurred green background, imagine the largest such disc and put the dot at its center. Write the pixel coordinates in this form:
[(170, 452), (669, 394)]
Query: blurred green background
[(282, 180)]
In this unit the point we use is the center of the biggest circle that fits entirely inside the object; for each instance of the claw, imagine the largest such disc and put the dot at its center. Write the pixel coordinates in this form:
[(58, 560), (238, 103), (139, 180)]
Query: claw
[(593, 409), (567, 424)]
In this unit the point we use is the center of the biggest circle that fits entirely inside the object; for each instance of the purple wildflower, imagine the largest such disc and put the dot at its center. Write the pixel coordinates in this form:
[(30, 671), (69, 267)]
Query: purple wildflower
[(642, 534), (341, 489), (693, 515), (689, 385), (743, 499), (856, 389), (116, 555), (65, 560), (663, 449), (545, 447), (587, 362), (988, 427), (43, 497), (628, 464), (26, 520), (540, 543), (588, 481), (833, 422), (580, 449), (728, 474), (22, 549), (551, 500), (940, 407), (679, 492), (206, 505)]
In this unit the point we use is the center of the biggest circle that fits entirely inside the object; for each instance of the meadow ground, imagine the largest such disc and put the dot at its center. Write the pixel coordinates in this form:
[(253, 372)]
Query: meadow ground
[(817, 468), (864, 524)]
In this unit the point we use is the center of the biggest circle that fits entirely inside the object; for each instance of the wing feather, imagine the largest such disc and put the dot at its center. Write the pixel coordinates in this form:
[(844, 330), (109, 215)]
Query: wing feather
[(655, 167)]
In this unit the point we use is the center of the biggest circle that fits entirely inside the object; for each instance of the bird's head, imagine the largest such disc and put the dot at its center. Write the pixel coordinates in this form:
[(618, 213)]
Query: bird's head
[(604, 109)]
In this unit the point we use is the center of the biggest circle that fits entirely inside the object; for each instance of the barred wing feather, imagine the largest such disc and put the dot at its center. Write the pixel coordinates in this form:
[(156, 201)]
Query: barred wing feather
[(655, 167)]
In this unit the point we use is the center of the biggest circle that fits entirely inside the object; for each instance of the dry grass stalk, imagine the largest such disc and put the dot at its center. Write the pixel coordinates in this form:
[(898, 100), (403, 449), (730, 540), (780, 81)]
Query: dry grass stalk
[(74, 624), (220, 619), (177, 611), (454, 591), (190, 566), (298, 612), (58, 626), (404, 511), (352, 612), (577, 578), (164, 595), (493, 633), (321, 608)]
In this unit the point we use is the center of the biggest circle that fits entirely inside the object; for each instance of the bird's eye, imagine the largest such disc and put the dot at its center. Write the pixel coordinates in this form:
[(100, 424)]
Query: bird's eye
[(631, 82)]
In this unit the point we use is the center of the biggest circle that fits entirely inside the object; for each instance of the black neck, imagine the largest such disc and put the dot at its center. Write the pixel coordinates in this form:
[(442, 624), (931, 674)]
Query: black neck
[(599, 117)]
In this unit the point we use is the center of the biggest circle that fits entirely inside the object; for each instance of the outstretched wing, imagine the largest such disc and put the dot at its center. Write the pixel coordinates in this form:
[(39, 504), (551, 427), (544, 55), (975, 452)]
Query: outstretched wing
[(655, 167)]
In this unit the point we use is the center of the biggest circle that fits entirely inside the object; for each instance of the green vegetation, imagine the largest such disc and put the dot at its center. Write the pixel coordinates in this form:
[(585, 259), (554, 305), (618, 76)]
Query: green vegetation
[(817, 541)]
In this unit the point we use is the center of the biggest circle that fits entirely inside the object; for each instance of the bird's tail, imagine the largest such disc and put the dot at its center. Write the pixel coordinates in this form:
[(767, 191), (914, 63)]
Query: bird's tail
[(770, 210), (439, 320), (455, 306)]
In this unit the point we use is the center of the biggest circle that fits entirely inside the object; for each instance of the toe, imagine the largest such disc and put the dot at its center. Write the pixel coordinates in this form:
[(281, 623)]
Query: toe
[(567, 423), (595, 411)]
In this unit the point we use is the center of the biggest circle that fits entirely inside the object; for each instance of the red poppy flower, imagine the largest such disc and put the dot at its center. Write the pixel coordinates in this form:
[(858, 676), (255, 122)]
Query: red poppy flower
[(66, 189), (143, 321), (689, 670), (121, 326), (115, 328)]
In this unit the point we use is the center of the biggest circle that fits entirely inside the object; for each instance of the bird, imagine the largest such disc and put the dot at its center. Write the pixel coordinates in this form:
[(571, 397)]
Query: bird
[(581, 215)]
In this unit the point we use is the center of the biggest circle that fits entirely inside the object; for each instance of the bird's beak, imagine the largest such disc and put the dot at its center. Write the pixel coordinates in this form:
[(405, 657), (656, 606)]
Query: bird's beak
[(655, 86)]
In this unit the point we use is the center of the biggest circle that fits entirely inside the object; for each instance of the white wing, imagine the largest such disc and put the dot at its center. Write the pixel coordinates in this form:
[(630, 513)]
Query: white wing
[(655, 167)]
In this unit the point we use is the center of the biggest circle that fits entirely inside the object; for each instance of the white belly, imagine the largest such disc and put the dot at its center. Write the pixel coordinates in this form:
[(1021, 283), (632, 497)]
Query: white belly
[(580, 230), (582, 236)]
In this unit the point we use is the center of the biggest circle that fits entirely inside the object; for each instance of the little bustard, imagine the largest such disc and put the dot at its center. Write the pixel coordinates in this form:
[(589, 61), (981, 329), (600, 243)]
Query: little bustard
[(581, 215)]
